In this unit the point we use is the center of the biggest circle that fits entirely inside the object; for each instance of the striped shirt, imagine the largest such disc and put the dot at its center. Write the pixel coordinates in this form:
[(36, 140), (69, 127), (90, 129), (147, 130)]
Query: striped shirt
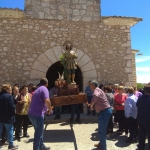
[(99, 101)]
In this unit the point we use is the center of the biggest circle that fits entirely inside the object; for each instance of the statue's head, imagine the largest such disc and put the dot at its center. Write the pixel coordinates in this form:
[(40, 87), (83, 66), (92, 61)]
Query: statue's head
[(68, 45)]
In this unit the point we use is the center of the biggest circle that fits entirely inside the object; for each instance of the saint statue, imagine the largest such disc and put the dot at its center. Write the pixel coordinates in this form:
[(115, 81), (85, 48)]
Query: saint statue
[(70, 63)]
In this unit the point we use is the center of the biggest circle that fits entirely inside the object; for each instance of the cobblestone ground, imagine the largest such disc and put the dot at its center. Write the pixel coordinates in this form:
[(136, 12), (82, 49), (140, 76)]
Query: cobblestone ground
[(64, 136)]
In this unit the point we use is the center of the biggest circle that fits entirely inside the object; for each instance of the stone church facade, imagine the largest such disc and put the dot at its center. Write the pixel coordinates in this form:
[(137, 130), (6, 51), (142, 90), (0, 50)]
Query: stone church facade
[(31, 41)]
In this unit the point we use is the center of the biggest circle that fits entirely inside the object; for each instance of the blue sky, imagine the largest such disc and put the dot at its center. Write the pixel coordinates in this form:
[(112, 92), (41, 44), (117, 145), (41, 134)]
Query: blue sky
[(140, 33)]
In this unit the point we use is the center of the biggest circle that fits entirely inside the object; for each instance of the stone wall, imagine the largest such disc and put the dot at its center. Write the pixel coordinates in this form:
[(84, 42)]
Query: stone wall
[(134, 67), (25, 42), (75, 10)]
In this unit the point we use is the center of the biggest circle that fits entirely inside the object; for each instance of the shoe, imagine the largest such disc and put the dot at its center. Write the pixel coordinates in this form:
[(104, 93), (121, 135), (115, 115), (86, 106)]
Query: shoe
[(108, 135), (71, 120), (130, 141), (97, 145), (78, 121), (17, 138), (4, 143), (13, 147), (20, 134), (1, 144), (58, 117), (26, 135), (88, 113), (111, 134), (45, 148), (99, 148), (55, 118), (120, 132)]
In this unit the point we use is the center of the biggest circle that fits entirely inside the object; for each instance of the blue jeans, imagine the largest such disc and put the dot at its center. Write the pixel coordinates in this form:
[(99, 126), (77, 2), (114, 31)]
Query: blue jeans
[(103, 119), (10, 130), (38, 124)]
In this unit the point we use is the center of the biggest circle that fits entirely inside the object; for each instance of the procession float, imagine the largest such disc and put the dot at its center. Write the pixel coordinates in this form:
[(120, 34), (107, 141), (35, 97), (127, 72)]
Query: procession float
[(68, 91)]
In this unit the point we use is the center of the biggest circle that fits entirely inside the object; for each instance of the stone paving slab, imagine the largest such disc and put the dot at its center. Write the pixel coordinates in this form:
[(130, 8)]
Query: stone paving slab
[(66, 136)]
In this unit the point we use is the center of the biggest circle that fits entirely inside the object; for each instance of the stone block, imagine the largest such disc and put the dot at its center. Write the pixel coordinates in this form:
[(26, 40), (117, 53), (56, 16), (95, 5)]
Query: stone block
[(75, 1), (129, 63), (89, 66), (82, 1), (39, 66), (126, 44), (76, 18), (82, 12), (50, 54), (90, 74), (57, 51), (76, 12), (44, 60), (128, 70), (130, 77), (83, 6), (36, 74), (93, 36), (80, 54), (88, 19), (128, 56), (130, 84), (45, 4), (85, 59)]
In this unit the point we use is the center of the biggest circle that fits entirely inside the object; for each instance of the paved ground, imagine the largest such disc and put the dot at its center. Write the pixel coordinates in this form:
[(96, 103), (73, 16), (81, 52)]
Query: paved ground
[(66, 136)]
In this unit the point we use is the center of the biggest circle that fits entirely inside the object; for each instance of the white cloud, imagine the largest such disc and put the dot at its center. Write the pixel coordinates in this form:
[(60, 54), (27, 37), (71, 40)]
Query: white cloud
[(143, 69), (142, 59), (143, 78)]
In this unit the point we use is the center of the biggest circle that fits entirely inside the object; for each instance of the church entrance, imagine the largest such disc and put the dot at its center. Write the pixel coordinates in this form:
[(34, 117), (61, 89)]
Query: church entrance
[(52, 76)]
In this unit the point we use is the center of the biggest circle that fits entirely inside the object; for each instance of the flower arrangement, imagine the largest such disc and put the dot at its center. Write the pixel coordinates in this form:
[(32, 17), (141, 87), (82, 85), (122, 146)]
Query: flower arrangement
[(63, 61)]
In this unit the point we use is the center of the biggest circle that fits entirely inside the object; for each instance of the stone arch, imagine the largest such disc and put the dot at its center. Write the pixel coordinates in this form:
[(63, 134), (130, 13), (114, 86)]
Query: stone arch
[(49, 57)]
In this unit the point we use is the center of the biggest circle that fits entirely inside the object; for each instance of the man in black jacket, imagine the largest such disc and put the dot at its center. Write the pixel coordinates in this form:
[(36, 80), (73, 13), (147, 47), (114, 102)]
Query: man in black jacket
[(7, 113), (143, 117)]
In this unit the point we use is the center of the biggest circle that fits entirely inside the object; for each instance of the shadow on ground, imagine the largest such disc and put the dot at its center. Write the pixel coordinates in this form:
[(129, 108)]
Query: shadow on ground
[(54, 136)]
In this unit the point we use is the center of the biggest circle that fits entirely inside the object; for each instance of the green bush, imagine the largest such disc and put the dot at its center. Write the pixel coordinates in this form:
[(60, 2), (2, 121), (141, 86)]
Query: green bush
[(140, 85)]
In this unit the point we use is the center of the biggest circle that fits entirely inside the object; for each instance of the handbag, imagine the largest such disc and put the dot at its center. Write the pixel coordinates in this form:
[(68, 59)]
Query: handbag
[(19, 108)]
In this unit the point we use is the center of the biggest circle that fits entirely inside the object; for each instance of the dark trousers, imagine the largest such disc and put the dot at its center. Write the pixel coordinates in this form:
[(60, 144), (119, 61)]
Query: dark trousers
[(136, 128), (110, 126), (4, 136), (143, 131), (22, 120), (122, 121), (115, 118), (58, 110), (75, 108), (131, 127)]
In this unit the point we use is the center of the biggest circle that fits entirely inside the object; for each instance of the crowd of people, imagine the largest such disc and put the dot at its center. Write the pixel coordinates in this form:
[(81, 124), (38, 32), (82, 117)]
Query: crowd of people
[(115, 105), (125, 106), (18, 107)]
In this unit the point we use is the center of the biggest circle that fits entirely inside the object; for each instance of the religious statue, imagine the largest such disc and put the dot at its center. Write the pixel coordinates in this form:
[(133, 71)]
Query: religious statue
[(69, 60)]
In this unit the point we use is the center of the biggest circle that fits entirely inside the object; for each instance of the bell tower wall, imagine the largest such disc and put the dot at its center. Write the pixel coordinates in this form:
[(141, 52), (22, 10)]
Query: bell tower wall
[(72, 10)]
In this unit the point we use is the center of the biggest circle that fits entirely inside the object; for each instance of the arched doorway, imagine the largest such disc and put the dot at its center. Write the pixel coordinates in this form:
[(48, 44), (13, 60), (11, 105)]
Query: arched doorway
[(52, 76), (51, 56)]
